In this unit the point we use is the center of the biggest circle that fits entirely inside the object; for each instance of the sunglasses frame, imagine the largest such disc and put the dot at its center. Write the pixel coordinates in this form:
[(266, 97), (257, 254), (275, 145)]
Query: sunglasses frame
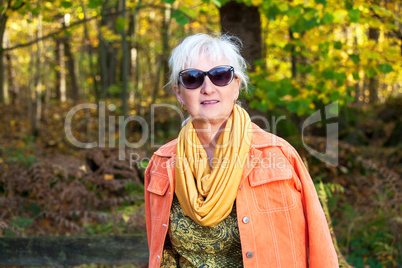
[(231, 69)]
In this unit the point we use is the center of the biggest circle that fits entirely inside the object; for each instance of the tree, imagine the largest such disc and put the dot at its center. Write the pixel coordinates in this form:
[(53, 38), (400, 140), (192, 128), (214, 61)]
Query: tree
[(6, 7), (244, 22)]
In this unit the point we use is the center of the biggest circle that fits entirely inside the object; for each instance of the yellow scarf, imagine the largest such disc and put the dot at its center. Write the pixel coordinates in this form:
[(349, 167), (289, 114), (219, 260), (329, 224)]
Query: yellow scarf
[(206, 195)]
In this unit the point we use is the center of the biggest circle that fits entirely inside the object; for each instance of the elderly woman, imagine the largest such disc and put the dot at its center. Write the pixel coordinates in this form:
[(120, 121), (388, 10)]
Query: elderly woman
[(226, 193)]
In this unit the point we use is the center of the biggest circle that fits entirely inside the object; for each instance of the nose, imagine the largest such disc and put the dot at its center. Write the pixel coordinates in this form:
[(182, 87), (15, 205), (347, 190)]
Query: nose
[(207, 87)]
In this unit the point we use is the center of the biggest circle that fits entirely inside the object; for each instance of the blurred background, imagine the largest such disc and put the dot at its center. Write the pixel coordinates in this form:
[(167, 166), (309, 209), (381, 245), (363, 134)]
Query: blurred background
[(303, 55)]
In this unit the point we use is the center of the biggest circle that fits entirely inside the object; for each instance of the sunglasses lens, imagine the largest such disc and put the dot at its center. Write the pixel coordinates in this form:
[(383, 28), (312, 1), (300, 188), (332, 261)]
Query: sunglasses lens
[(192, 79), (221, 76)]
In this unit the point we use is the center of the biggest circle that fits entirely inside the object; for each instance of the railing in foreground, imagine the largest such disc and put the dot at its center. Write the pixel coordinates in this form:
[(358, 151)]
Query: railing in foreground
[(73, 250)]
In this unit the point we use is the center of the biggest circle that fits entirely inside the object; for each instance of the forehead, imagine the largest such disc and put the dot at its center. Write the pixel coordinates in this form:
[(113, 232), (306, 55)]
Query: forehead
[(205, 62)]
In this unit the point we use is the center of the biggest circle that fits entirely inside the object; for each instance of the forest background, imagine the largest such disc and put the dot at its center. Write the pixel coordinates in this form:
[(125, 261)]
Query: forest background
[(303, 56)]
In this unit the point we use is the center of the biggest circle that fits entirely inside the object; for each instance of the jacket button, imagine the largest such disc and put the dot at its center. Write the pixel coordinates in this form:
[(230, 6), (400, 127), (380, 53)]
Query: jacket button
[(246, 219), (249, 254)]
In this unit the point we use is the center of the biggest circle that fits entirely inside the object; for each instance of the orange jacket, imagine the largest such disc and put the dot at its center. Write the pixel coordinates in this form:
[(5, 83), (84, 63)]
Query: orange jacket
[(280, 219)]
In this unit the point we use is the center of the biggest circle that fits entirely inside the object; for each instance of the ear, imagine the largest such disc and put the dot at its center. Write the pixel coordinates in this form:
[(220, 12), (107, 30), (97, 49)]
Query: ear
[(178, 96)]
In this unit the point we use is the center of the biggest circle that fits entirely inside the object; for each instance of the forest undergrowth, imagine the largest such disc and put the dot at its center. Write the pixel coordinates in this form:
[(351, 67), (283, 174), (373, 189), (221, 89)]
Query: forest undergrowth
[(50, 187)]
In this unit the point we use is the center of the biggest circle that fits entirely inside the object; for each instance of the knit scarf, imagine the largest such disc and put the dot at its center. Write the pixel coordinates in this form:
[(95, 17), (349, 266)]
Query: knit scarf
[(206, 194)]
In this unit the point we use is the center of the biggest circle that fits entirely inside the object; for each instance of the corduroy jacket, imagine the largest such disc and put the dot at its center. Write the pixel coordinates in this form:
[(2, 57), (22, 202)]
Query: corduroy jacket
[(280, 219)]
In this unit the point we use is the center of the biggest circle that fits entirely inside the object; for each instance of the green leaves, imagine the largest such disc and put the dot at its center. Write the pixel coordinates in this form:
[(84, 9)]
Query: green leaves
[(331, 74), (66, 4), (180, 17), (354, 15), (17, 4), (338, 45), (355, 58), (385, 68), (371, 72), (189, 12), (219, 3), (323, 2), (272, 12), (168, 1), (348, 5), (120, 23), (95, 3), (327, 18)]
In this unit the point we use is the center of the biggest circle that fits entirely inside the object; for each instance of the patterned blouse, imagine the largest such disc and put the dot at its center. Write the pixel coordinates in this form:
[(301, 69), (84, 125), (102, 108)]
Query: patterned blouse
[(189, 244)]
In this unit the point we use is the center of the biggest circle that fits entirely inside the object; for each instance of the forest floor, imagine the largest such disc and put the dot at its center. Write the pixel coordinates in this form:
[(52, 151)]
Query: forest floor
[(48, 186)]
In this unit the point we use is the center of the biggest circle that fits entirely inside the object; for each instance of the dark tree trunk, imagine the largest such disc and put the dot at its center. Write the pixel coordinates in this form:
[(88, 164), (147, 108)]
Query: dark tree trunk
[(293, 55), (373, 84), (163, 62), (244, 22), (3, 21), (165, 46), (37, 111), (125, 63), (357, 84), (107, 52), (90, 54), (134, 56), (71, 66), (12, 79)]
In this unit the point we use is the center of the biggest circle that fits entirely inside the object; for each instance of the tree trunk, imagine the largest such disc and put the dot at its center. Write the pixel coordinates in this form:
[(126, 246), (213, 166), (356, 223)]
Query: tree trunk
[(3, 21), (373, 84), (107, 52), (244, 22), (60, 71), (47, 88), (135, 64), (32, 91), (73, 83), (103, 65), (5, 94), (357, 85), (37, 111), (163, 58), (90, 54), (165, 45), (12, 79), (293, 56), (125, 59)]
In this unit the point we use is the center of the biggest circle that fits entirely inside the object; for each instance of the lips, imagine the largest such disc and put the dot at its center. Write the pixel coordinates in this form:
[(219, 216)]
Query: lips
[(210, 102)]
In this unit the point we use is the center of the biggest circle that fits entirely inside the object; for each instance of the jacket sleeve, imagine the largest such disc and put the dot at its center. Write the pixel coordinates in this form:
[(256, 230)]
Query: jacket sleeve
[(320, 246)]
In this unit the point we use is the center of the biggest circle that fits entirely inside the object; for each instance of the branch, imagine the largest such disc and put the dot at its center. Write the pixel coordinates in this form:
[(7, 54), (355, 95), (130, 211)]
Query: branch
[(48, 35), (55, 32), (70, 26), (397, 34)]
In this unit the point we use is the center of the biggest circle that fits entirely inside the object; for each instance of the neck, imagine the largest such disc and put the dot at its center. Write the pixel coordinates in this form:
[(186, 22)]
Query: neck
[(208, 134)]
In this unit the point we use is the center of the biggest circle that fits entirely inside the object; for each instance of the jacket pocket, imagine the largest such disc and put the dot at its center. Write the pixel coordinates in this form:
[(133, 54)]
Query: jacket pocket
[(158, 186), (273, 189)]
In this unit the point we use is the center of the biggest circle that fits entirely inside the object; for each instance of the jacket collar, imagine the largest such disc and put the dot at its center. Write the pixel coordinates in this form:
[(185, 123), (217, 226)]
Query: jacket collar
[(259, 139)]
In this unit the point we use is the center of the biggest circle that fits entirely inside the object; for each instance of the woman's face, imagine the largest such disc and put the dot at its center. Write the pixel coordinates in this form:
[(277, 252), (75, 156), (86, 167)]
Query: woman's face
[(209, 102)]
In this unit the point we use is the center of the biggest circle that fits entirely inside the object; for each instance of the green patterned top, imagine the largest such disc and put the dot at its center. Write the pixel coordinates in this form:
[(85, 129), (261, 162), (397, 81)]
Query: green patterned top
[(189, 244)]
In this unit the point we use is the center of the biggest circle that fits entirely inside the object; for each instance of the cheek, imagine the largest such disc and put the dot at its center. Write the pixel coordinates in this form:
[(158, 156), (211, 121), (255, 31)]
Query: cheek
[(188, 98)]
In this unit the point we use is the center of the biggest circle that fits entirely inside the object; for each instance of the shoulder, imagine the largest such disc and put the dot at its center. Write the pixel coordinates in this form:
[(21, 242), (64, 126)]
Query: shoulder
[(268, 142), (160, 157), (168, 149), (261, 138)]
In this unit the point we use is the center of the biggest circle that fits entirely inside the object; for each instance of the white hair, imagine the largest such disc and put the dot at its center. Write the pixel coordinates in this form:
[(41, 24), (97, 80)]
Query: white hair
[(215, 47)]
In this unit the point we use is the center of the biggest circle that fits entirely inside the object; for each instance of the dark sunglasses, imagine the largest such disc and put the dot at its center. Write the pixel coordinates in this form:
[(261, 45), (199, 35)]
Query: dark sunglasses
[(194, 78)]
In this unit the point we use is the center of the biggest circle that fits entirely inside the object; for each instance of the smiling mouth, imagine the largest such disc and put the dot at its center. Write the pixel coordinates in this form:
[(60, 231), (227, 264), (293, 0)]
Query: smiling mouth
[(209, 102)]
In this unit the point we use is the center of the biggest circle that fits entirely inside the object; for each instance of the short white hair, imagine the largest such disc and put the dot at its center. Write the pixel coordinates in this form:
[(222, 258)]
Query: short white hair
[(215, 47)]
